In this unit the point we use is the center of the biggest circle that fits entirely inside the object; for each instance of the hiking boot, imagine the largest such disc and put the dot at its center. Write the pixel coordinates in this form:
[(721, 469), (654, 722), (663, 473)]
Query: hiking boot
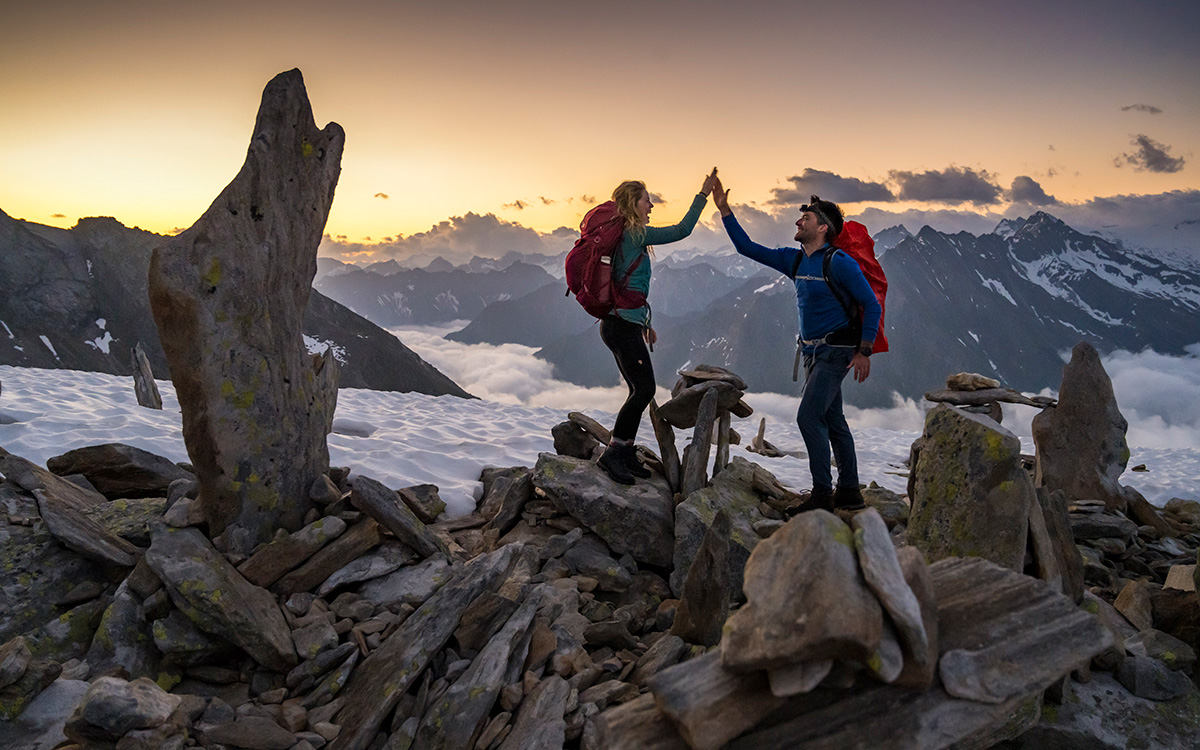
[(848, 498), (634, 464), (817, 498), (613, 463)]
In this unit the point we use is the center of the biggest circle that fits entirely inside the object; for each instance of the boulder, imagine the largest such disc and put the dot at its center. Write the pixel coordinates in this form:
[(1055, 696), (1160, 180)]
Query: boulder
[(229, 296), (970, 494), (637, 519), (111, 707), (118, 470), (206, 588), (806, 572), (1081, 446), (124, 638)]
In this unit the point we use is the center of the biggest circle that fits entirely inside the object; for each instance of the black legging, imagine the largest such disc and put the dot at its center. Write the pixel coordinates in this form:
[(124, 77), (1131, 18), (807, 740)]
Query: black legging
[(625, 341)]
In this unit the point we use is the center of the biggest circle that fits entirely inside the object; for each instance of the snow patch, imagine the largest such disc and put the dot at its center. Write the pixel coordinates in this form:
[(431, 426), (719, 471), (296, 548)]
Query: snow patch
[(316, 346), (49, 346)]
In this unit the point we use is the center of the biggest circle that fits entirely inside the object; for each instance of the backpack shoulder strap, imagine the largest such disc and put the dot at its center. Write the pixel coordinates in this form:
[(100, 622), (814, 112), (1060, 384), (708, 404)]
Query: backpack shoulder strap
[(838, 292)]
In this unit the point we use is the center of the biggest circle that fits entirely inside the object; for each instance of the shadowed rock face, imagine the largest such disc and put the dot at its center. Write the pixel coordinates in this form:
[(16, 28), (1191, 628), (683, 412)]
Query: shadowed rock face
[(229, 296), (1081, 444)]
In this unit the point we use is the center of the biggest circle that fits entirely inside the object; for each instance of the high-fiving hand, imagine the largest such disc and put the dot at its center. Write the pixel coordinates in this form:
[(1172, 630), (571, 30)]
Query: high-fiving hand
[(709, 182), (720, 196)]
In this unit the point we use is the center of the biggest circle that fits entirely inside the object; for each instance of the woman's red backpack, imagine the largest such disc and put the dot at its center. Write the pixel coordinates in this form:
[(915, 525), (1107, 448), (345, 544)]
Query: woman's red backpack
[(590, 264), (855, 241)]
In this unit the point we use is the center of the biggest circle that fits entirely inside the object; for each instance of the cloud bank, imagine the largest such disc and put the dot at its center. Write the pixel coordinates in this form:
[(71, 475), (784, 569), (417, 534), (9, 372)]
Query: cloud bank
[(1150, 156), (1159, 394)]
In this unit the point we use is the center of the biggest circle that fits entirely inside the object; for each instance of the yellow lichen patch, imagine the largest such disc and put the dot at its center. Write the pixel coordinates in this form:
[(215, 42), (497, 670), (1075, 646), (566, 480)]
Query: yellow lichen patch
[(306, 149), (213, 277)]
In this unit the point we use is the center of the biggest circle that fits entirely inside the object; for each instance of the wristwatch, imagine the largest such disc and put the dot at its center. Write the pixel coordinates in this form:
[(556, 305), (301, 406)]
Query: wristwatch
[(865, 349)]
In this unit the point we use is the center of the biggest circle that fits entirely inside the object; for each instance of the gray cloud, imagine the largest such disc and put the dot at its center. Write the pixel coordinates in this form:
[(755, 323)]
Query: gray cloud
[(657, 198), (518, 204), (1147, 108), (457, 239), (1150, 156), (547, 201), (58, 216), (385, 196), (952, 185), (830, 186), (589, 199), (1027, 190)]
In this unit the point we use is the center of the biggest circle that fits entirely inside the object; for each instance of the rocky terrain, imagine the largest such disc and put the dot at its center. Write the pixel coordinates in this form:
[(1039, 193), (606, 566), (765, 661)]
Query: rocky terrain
[(258, 598)]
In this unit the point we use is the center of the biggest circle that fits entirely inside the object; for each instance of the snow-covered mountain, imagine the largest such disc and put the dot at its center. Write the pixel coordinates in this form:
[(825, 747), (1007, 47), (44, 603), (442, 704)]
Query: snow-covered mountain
[(77, 299), (1005, 304)]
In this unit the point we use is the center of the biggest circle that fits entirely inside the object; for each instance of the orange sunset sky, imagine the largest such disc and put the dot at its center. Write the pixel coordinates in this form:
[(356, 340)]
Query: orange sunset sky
[(529, 111)]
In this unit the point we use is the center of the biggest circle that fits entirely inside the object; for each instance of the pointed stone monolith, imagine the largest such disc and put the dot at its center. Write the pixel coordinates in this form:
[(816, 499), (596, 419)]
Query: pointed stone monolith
[(228, 295)]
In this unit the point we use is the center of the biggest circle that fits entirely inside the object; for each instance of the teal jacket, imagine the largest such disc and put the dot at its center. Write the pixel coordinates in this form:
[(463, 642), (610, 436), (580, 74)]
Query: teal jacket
[(630, 249)]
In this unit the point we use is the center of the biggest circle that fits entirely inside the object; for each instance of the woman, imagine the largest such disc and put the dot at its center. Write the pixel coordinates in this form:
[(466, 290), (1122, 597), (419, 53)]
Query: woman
[(626, 332)]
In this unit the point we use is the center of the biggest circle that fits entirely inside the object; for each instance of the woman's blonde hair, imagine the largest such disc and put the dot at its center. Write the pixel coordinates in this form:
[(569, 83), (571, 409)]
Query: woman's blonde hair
[(626, 197)]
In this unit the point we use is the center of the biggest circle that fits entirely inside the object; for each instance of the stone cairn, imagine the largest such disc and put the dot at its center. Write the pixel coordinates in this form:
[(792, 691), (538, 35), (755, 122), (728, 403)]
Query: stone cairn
[(568, 611)]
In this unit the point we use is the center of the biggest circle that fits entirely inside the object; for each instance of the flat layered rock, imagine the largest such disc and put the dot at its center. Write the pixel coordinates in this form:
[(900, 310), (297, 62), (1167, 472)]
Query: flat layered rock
[(681, 410), (881, 569), (79, 532), (637, 519), (540, 723), (118, 470)]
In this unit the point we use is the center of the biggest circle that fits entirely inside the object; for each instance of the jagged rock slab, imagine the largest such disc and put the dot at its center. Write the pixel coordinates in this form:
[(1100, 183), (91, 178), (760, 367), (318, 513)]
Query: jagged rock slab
[(807, 572), (970, 493), (638, 725), (30, 477), (540, 723), (412, 585), (388, 557), (82, 533), (272, 561), (116, 706), (1058, 526), (359, 539), (210, 591), (709, 704), (704, 605), (459, 715), (638, 520), (920, 670), (1081, 445), (694, 471), (118, 470), (881, 569), (665, 435), (144, 386), (229, 296), (386, 507), (381, 680), (730, 490)]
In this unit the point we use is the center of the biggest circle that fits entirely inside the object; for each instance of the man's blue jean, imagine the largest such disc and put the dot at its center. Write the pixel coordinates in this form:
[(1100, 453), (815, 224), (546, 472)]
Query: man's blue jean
[(820, 416)]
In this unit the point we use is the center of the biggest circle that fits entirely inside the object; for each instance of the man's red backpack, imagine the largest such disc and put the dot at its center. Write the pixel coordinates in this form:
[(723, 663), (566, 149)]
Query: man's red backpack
[(590, 264), (855, 241)]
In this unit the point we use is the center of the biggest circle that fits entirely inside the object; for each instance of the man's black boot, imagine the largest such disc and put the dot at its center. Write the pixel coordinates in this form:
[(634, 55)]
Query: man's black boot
[(613, 463), (848, 498), (818, 498), (634, 464)]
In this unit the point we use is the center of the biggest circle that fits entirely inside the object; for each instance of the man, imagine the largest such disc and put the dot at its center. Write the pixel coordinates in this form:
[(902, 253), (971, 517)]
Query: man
[(831, 345)]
